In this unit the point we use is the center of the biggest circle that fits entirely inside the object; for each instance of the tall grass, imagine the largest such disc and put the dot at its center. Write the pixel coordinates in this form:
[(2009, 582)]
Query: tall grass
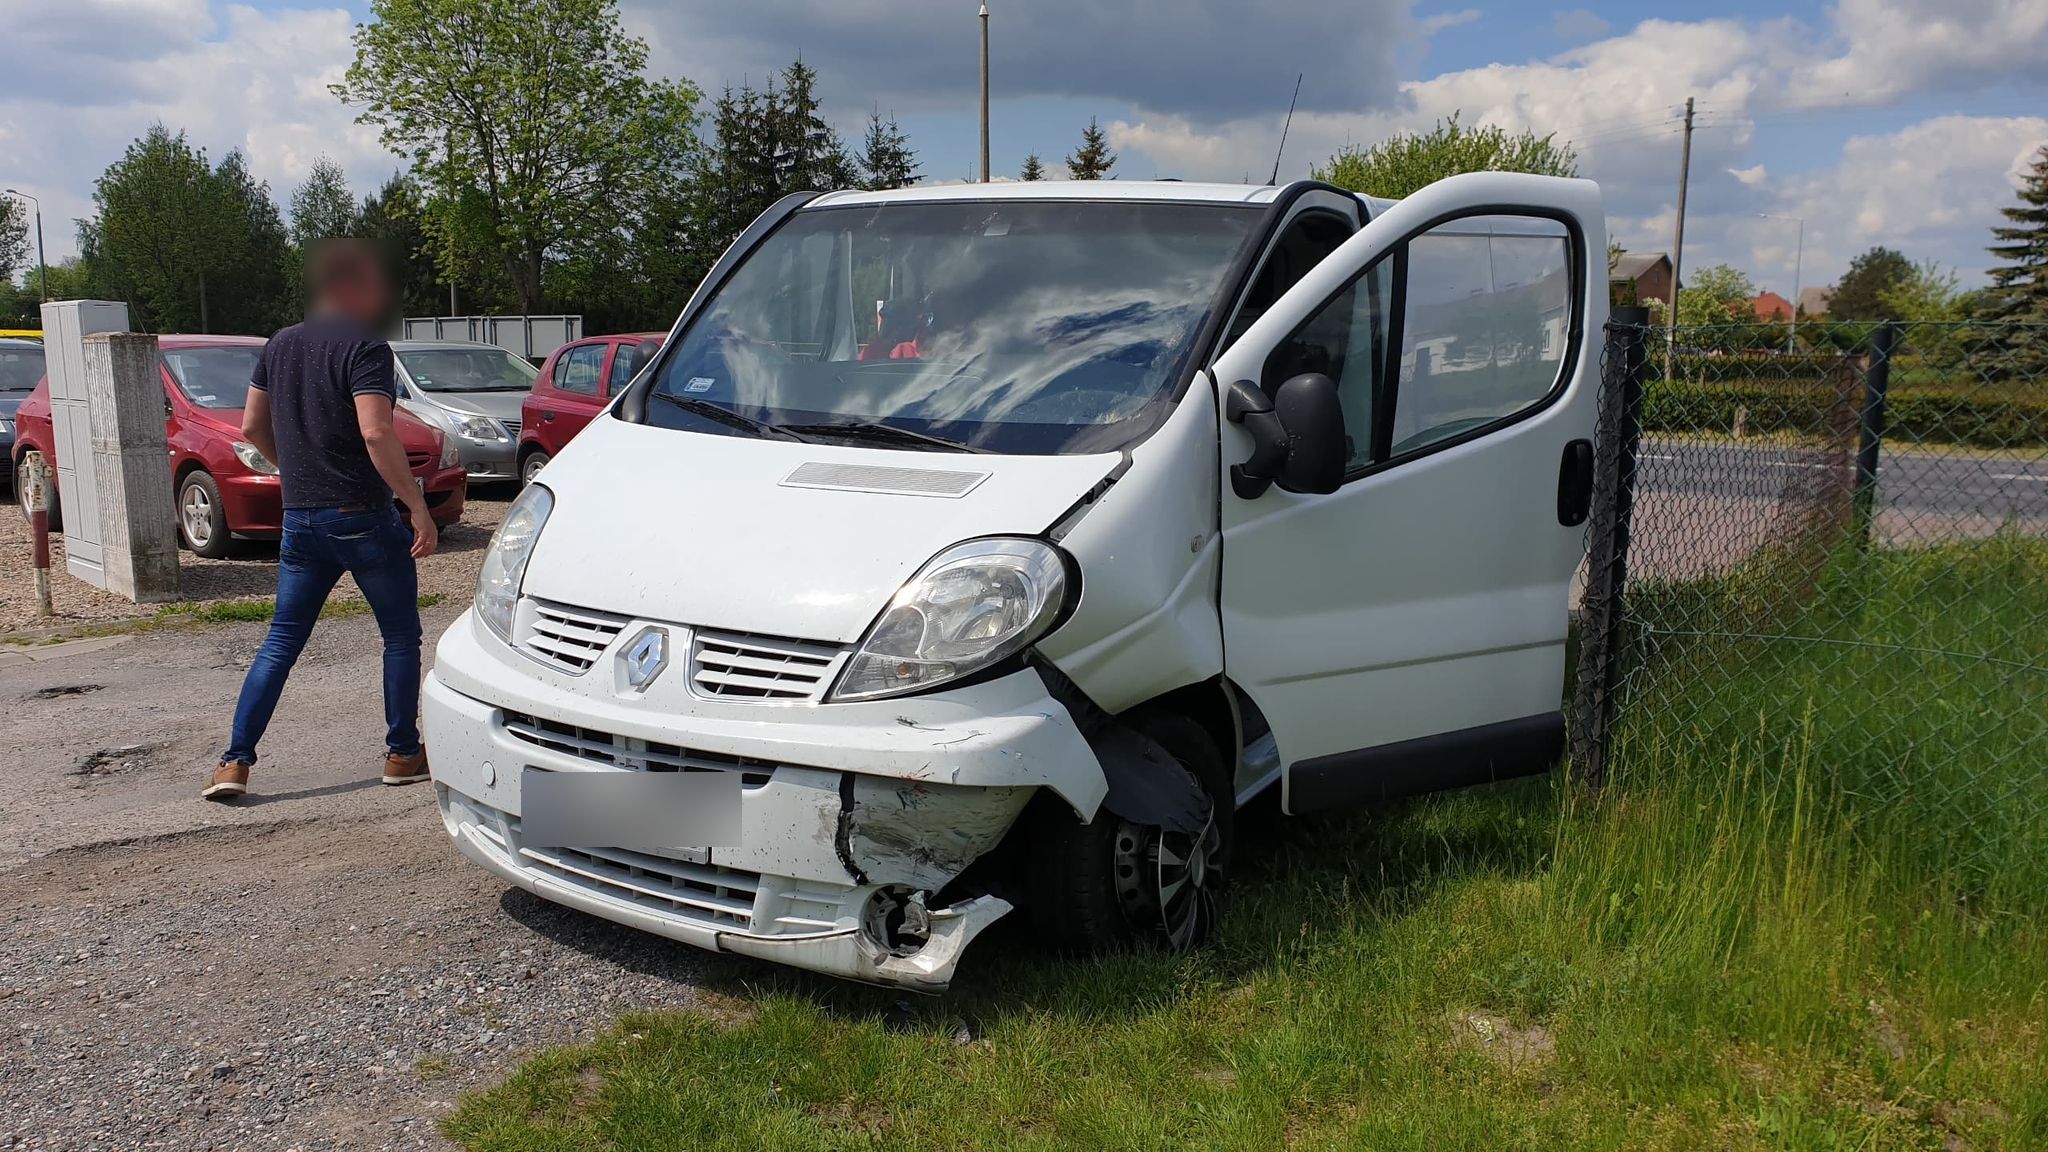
[(1751, 939)]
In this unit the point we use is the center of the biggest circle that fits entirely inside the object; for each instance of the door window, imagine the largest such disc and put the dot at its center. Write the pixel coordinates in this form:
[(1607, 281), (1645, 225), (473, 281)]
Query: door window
[(1479, 307), (626, 362), (580, 370)]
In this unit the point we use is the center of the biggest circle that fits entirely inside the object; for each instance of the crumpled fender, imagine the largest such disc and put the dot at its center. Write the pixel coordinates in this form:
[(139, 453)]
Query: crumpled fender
[(1146, 784)]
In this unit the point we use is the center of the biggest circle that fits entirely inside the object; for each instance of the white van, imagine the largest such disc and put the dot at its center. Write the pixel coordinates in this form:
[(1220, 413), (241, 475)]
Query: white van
[(1003, 540)]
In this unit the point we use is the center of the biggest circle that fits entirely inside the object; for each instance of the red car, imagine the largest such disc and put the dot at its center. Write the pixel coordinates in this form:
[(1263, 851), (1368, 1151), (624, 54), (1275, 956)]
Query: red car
[(225, 488), (575, 384)]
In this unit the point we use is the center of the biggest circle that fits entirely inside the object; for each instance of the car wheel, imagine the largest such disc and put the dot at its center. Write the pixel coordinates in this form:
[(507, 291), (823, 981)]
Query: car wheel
[(202, 519), (1116, 883), (530, 466), (21, 469)]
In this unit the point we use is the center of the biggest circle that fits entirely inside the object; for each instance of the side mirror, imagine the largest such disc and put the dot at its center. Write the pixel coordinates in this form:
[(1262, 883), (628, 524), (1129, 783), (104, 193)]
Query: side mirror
[(1297, 436)]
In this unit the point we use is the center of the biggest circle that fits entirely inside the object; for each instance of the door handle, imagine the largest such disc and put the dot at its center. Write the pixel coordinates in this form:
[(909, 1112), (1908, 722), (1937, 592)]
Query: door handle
[(1575, 483)]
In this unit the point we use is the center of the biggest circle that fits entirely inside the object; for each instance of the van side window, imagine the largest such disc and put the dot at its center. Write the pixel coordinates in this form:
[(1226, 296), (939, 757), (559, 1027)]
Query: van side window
[(580, 368), (1485, 311), (1345, 340)]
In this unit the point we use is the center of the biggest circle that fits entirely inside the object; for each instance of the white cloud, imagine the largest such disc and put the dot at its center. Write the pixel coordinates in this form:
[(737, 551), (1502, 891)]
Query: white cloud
[(229, 76), (1441, 21), (1578, 24), (1749, 177)]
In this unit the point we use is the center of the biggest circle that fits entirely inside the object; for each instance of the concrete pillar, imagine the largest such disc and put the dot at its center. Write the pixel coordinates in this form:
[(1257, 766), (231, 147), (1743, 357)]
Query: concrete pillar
[(125, 404)]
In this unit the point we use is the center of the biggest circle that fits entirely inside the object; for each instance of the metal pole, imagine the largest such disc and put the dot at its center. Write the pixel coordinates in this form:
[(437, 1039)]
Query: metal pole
[(1602, 618), (1678, 243), (1877, 378), (984, 94), (42, 264)]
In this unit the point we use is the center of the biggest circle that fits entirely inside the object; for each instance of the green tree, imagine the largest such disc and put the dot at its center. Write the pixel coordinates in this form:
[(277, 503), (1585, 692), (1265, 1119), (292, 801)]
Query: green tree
[(191, 246), (1410, 161), (395, 219), (808, 152), (323, 206), (14, 229), (2019, 282), (1859, 294), (1034, 168), (1093, 160), (1720, 294), (530, 121), (886, 159)]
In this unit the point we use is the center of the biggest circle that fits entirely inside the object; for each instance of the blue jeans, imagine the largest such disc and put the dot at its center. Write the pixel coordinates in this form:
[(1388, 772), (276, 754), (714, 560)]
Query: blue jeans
[(319, 545)]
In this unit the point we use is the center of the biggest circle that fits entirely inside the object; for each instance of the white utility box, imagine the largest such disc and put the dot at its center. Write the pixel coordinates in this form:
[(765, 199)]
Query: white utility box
[(66, 323)]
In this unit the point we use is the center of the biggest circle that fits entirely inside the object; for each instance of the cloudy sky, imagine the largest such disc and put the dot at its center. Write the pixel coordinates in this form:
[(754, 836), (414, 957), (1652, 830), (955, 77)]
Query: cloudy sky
[(1902, 122)]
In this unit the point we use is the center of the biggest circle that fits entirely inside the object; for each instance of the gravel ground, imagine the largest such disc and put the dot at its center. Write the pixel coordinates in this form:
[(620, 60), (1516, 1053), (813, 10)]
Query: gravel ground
[(251, 571), (314, 968)]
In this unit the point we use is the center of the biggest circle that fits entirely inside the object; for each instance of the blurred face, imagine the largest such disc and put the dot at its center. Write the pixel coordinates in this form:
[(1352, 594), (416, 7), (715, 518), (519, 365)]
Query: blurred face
[(350, 281)]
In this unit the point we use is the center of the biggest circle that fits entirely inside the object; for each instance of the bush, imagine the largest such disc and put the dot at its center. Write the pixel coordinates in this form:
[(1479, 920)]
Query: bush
[(1975, 416)]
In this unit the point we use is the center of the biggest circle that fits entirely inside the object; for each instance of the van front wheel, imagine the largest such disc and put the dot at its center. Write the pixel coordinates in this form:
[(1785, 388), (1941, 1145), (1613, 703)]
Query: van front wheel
[(1115, 883)]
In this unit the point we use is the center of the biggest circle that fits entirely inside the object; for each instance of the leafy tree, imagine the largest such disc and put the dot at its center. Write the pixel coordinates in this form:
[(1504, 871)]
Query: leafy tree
[(14, 247), (1720, 294), (530, 121), (886, 159), (395, 219), (2019, 283), (191, 246), (1093, 160), (323, 206), (1410, 161), (1859, 294), (1034, 168)]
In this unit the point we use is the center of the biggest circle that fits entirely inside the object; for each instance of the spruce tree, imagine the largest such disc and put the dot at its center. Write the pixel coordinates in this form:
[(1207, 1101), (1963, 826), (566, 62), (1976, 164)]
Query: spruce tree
[(1094, 159), (886, 159), (1034, 169), (2019, 293)]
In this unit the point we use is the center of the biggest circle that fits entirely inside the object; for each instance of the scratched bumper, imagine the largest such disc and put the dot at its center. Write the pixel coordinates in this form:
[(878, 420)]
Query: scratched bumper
[(837, 803)]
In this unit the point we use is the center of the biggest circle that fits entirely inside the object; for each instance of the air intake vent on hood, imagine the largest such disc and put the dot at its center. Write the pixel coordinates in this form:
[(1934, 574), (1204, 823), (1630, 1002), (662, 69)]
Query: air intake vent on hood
[(890, 481)]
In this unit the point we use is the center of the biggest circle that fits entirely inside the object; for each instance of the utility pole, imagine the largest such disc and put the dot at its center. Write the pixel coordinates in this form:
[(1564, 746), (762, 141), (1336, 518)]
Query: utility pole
[(984, 93), (42, 265), (1678, 244)]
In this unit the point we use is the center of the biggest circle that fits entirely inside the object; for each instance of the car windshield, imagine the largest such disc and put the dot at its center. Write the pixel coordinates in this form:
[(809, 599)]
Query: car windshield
[(215, 377), (1025, 327), (479, 369), (21, 365)]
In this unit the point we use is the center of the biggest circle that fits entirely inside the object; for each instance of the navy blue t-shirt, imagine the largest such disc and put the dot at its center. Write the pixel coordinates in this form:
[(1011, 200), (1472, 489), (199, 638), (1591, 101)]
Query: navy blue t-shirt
[(313, 373)]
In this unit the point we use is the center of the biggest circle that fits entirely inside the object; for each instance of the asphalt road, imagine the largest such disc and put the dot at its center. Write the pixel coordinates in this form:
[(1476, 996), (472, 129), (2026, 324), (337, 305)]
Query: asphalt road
[(1957, 482)]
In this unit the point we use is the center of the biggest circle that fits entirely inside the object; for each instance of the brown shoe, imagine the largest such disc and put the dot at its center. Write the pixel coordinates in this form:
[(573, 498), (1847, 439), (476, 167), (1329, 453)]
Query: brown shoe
[(405, 769), (230, 779)]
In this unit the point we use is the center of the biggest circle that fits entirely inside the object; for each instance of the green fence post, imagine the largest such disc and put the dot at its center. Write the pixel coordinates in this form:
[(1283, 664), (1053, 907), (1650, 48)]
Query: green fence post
[(1601, 617), (1877, 378)]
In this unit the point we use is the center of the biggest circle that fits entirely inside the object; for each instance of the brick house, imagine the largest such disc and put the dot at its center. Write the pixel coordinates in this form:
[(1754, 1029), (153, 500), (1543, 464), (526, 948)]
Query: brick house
[(1638, 278), (1772, 308)]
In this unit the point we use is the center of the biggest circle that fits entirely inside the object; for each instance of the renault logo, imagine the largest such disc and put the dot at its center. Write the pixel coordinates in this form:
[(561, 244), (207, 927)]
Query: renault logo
[(645, 657)]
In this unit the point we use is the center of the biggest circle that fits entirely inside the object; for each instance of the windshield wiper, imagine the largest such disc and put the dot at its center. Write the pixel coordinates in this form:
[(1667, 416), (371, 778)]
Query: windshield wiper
[(871, 430), (725, 416)]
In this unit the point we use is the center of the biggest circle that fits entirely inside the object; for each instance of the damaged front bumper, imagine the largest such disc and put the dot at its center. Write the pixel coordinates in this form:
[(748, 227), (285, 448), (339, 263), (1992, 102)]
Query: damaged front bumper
[(847, 811)]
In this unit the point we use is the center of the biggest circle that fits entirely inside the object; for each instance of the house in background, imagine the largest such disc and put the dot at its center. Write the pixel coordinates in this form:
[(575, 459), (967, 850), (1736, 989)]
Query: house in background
[(1772, 308), (1638, 278), (1814, 301)]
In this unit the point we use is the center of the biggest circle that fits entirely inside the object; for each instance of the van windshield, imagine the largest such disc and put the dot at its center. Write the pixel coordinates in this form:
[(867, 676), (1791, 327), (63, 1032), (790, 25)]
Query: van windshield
[(1022, 327)]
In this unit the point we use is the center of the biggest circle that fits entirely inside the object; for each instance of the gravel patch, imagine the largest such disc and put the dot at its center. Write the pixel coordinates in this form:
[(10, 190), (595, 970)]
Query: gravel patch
[(250, 572)]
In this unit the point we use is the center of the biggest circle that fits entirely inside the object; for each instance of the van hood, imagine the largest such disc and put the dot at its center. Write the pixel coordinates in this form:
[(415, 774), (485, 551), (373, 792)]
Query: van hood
[(776, 537)]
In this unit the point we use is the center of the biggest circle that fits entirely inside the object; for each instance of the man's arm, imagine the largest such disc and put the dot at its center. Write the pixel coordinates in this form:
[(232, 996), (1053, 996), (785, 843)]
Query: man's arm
[(387, 452), (256, 424)]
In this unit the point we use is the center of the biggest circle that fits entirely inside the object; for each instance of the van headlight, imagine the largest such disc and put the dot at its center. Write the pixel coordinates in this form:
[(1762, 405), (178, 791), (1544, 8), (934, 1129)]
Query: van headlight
[(504, 567), (975, 604)]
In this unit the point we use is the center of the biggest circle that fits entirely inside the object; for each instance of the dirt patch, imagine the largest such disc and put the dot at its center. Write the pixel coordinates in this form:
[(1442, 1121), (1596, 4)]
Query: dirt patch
[(1513, 1046)]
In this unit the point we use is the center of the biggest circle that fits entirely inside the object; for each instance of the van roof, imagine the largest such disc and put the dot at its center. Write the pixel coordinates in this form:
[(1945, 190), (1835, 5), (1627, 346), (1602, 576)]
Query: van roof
[(1122, 190)]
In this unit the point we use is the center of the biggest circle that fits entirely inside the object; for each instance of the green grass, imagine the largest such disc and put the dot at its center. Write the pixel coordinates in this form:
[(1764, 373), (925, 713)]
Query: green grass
[(191, 614), (1751, 939)]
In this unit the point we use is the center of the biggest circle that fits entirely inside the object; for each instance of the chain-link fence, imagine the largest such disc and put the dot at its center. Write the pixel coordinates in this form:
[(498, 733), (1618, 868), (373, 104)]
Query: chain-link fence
[(1821, 558)]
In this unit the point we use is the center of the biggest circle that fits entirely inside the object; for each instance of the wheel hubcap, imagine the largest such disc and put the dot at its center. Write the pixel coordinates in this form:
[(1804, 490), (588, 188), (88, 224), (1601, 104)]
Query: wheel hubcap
[(1168, 880), (198, 516), (533, 466)]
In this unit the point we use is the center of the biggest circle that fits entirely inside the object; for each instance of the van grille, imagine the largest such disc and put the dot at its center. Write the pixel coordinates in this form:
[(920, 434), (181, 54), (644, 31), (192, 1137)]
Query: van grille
[(569, 638), (709, 894), (734, 665), (600, 747)]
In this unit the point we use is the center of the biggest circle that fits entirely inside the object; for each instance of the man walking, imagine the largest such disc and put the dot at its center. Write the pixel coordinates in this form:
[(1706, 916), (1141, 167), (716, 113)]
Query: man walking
[(320, 408)]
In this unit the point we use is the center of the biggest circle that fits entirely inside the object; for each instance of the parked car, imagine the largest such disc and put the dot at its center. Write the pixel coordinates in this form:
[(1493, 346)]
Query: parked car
[(575, 384), (1129, 502), (224, 487), (21, 365), (472, 393)]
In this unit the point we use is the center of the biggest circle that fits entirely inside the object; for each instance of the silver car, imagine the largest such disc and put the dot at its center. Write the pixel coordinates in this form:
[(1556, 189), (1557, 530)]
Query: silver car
[(472, 392)]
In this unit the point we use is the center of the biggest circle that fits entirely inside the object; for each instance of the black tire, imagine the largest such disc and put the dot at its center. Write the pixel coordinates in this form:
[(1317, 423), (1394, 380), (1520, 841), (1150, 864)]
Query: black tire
[(202, 519), (21, 490), (1069, 871), (530, 466)]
